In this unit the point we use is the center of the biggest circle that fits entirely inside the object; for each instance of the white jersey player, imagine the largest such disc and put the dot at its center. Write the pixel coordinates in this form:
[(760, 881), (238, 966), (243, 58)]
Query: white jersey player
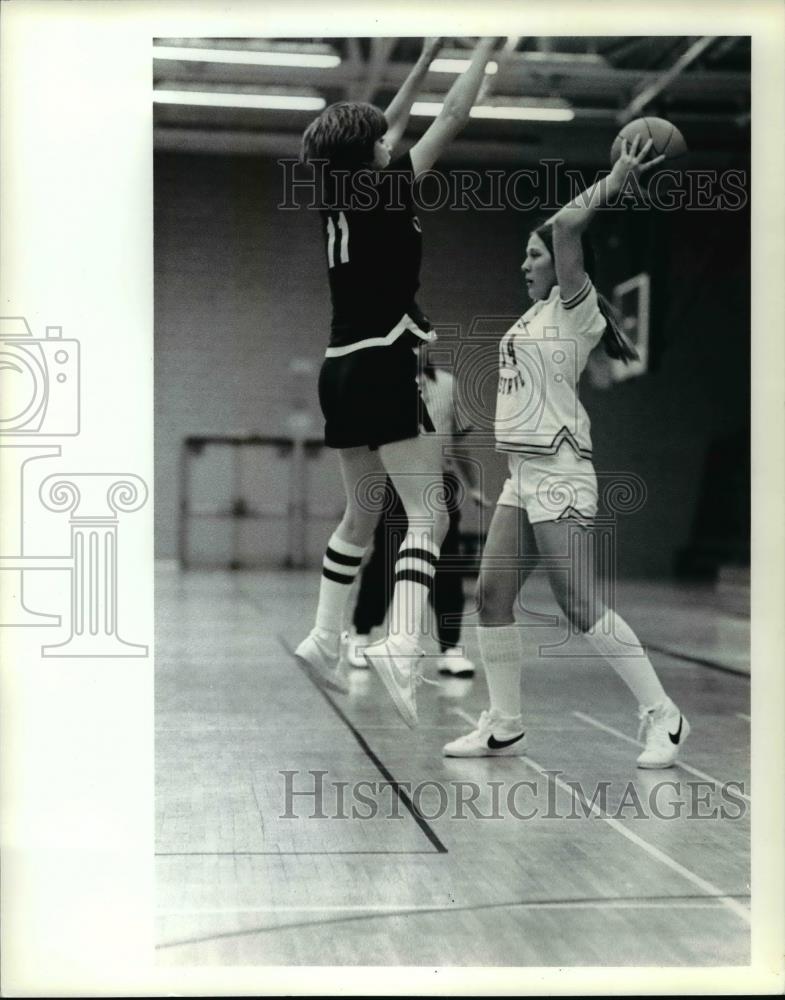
[(538, 412), (541, 358), (551, 491)]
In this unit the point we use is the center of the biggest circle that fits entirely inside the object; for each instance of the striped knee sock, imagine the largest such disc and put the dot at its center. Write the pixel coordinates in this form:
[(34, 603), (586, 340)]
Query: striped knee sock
[(415, 567), (340, 566), (613, 638), (502, 657)]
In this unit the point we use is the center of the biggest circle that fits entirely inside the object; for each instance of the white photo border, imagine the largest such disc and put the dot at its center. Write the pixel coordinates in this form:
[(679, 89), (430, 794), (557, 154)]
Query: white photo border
[(77, 252)]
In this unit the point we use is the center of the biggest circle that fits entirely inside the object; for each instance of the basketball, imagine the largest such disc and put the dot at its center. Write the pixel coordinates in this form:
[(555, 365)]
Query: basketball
[(667, 139)]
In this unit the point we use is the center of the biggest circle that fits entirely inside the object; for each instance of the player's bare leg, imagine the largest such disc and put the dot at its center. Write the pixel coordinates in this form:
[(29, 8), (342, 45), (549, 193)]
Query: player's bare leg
[(663, 728), (499, 731)]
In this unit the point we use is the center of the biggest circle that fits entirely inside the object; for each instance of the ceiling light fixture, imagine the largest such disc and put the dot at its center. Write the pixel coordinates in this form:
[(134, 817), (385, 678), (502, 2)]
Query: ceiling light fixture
[(247, 57), (449, 65), (578, 58), (218, 99), (524, 113), (508, 112)]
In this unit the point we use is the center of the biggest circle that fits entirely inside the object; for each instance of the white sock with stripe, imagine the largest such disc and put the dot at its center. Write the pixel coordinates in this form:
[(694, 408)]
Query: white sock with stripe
[(502, 656), (415, 567), (613, 638), (340, 566)]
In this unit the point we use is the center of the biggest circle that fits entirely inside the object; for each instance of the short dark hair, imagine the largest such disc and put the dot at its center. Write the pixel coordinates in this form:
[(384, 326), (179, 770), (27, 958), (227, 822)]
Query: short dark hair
[(344, 134)]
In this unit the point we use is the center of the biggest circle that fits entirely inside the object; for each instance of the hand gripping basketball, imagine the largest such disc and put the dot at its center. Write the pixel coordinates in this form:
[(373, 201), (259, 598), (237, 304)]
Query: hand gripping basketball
[(632, 159)]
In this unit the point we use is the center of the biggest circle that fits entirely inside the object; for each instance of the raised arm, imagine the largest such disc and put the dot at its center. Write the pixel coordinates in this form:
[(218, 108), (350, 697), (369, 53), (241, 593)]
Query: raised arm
[(573, 218), (455, 110), (397, 114)]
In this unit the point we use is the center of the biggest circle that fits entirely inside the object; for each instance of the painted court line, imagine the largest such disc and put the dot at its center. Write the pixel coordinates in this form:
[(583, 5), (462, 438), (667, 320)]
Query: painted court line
[(706, 887), (403, 728), (462, 714), (628, 739), (700, 660), (403, 908), (280, 854), (382, 913), (355, 914), (399, 791)]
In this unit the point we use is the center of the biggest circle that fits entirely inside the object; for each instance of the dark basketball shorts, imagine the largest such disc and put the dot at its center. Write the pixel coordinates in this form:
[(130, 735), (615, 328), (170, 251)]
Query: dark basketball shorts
[(370, 397)]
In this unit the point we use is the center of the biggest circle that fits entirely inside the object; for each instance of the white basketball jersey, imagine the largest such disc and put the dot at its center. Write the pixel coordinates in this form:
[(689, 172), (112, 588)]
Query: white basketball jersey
[(541, 359)]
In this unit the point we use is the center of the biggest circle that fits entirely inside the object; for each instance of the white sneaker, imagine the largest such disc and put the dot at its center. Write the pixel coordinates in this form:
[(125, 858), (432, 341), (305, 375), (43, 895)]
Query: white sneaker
[(452, 663), (353, 650), (663, 730), (496, 735), (323, 666), (396, 663)]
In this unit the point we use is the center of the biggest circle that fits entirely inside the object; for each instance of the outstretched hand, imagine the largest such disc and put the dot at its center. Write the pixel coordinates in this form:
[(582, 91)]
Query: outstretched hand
[(632, 160)]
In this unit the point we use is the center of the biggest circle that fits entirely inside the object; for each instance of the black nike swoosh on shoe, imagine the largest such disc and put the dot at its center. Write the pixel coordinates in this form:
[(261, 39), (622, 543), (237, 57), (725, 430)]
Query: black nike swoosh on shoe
[(675, 737), (494, 744)]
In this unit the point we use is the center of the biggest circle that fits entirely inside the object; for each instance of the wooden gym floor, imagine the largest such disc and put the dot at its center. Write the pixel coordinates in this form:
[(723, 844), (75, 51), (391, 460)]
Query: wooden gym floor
[(656, 874)]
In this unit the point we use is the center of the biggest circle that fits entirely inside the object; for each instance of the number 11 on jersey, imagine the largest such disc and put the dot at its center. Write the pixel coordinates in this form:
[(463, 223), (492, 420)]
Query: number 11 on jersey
[(343, 240)]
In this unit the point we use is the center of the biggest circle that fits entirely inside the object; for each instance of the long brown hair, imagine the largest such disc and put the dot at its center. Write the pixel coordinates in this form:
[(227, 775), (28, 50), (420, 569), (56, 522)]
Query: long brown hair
[(613, 340)]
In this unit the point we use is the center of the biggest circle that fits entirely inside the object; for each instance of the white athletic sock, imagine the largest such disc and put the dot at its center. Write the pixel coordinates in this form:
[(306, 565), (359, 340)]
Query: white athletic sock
[(613, 638), (340, 566), (415, 567), (502, 656)]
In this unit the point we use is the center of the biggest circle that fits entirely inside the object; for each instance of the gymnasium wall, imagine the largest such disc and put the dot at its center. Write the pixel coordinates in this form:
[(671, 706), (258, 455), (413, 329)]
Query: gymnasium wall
[(240, 289)]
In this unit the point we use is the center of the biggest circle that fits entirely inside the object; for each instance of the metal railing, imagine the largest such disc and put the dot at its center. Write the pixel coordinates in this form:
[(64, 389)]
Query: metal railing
[(239, 510)]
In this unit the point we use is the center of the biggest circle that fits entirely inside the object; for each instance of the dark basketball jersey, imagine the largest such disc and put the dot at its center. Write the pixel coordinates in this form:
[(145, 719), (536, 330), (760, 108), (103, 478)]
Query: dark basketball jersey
[(374, 248)]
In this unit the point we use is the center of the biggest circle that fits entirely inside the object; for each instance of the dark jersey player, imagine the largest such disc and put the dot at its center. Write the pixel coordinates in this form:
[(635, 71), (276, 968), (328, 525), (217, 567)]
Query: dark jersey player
[(374, 415), (373, 246), (366, 387)]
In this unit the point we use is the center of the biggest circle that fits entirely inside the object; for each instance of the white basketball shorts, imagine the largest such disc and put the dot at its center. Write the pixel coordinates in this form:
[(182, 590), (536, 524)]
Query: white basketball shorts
[(551, 487)]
